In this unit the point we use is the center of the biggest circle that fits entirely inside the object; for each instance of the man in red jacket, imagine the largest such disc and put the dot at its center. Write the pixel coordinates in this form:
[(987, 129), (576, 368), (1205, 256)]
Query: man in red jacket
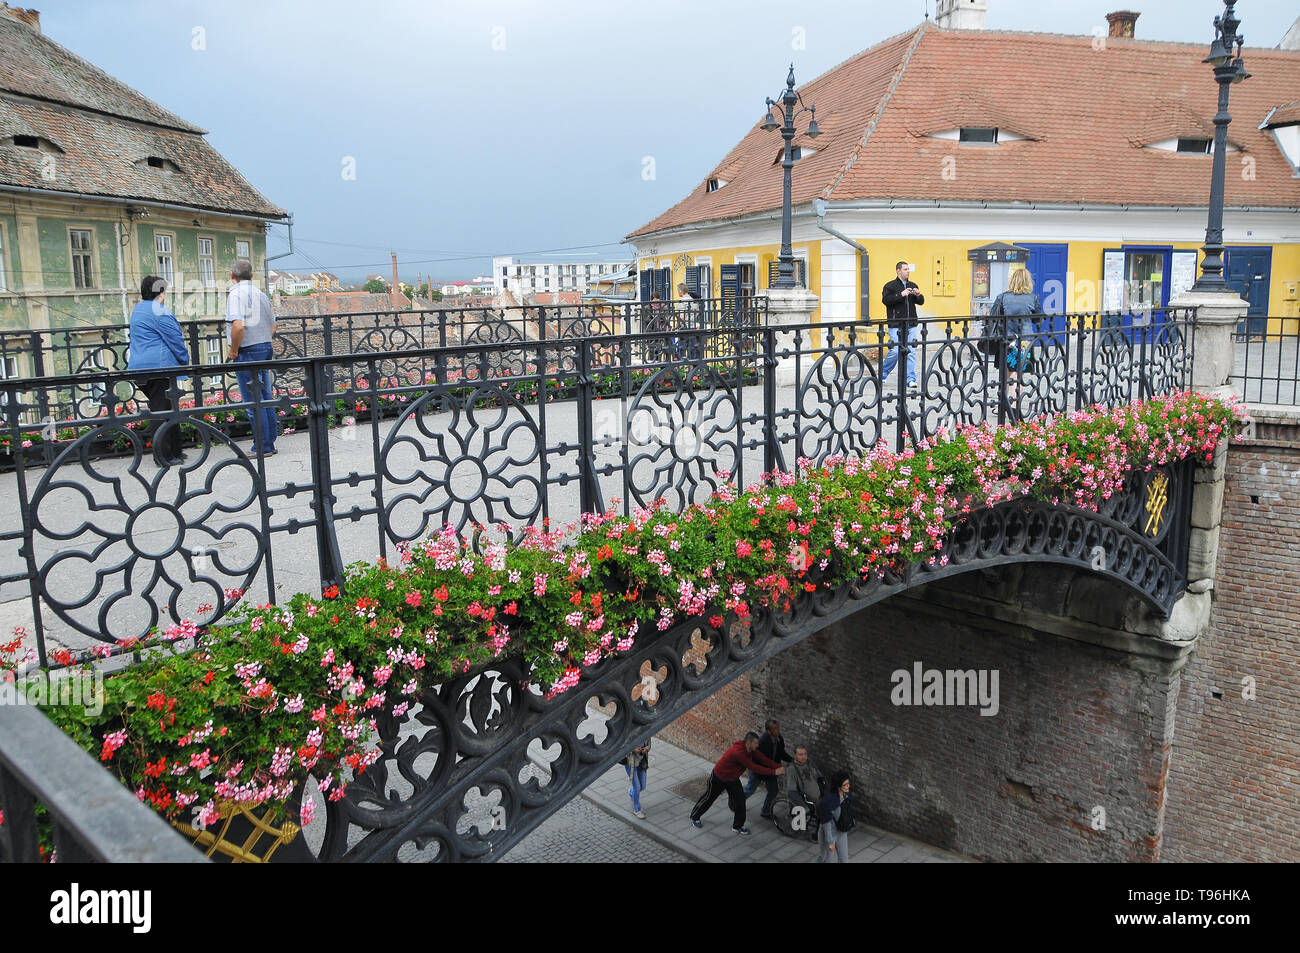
[(726, 777)]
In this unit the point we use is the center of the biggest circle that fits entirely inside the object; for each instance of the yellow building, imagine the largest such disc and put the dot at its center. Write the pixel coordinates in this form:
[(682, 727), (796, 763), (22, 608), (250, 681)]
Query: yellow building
[(968, 153)]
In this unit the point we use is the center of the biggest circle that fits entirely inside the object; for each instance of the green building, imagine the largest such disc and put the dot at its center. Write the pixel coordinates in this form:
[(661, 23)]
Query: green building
[(100, 186)]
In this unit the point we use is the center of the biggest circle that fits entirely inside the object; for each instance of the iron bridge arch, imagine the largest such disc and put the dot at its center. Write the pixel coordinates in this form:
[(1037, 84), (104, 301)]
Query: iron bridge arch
[(482, 761)]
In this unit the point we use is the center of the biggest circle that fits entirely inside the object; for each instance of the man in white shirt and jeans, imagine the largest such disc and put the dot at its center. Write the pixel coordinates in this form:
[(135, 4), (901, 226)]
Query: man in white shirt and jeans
[(249, 326)]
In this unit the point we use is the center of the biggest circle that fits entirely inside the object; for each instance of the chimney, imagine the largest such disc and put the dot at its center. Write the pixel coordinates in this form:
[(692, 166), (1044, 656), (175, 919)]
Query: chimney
[(1122, 23), (31, 17), (961, 14), (393, 290)]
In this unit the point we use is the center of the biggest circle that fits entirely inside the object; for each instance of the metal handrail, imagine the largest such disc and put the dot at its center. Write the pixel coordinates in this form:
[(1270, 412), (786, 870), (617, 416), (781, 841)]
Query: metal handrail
[(92, 816)]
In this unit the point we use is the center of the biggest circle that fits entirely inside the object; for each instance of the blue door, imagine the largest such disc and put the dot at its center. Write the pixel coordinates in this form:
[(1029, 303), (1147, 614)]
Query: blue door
[(1246, 270), (1049, 264)]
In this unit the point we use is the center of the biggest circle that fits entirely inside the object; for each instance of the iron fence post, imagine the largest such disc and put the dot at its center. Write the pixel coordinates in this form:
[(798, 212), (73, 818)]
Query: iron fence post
[(588, 488), (192, 332), (1144, 378), (19, 841), (769, 400), (318, 422), (1078, 365), (38, 365)]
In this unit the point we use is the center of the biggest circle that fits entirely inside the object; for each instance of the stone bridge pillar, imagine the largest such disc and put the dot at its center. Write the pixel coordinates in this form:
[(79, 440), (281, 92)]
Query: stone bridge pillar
[(787, 307)]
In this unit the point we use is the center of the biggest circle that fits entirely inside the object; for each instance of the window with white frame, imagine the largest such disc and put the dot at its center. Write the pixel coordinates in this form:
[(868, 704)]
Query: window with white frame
[(8, 372), (4, 286), (162, 245), (207, 267), (213, 351), (83, 273), (243, 249)]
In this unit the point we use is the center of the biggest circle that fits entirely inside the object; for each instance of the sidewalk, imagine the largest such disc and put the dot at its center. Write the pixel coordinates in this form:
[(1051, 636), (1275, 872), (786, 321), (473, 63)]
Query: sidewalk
[(677, 778)]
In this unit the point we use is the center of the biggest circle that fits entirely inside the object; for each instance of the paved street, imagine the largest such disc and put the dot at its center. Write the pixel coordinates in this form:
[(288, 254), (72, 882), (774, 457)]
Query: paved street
[(599, 826), (580, 832)]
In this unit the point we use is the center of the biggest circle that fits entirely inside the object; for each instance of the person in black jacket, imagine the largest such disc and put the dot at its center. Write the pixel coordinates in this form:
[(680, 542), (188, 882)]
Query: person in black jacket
[(773, 746), (900, 298)]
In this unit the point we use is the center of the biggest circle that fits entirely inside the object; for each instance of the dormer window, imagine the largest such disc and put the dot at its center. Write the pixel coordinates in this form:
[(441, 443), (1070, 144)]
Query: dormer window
[(796, 153), (1284, 124), (160, 163), (979, 135), (32, 142), (714, 184), (1188, 146)]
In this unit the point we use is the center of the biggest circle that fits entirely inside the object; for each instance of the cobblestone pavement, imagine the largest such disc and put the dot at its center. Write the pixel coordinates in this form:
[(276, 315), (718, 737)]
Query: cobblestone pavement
[(598, 826), (674, 771), (580, 832)]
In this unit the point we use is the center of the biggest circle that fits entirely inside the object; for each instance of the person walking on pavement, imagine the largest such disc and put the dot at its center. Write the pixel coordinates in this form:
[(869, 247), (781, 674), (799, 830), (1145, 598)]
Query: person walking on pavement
[(637, 763), (157, 342), (726, 777), (772, 746), (250, 324), (836, 815), (900, 298)]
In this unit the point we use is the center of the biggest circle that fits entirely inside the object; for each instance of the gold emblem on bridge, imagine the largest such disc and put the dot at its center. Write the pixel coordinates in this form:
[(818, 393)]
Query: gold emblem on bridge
[(1157, 503)]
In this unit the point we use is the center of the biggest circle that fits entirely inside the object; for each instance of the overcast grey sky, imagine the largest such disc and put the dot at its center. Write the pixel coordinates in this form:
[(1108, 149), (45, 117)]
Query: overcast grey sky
[(507, 127)]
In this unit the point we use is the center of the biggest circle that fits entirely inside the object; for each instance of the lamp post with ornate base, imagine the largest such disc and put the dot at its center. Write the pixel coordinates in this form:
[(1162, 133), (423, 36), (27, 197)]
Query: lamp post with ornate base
[(788, 100), (1226, 72), (786, 303), (1218, 307)]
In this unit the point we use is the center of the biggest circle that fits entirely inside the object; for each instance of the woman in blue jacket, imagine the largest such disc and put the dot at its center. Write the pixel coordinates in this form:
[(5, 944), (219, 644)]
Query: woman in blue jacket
[(157, 342), (1015, 314)]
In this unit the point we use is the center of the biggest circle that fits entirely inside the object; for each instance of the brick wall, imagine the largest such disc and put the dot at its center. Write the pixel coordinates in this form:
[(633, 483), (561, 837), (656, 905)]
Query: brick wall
[(1234, 785), (1078, 727)]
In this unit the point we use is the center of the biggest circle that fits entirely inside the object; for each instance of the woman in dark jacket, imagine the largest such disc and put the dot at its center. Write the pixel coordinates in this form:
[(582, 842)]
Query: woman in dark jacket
[(835, 811)]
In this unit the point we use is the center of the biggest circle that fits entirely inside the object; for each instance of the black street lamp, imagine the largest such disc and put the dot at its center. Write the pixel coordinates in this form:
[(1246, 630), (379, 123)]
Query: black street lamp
[(788, 100), (1226, 72)]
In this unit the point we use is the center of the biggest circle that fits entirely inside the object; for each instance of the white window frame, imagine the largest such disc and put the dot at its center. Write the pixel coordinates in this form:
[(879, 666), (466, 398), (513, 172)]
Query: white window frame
[(93, 277), (249, 254), (208, 274), (706, 261), (167, 271)]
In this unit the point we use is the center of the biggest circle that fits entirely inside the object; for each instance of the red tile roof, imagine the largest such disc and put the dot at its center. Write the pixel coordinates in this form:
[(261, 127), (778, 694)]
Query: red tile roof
[(1085, 113), (107, 132), (1285, 115)]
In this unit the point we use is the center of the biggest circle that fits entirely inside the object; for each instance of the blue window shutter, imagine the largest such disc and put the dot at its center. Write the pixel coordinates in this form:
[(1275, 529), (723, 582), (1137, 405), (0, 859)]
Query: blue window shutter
[(663, 277), (647, 284), (693, 279)]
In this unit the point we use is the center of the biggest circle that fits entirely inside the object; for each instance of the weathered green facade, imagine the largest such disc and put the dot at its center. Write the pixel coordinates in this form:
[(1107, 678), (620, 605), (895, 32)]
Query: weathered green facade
[(97, 183)]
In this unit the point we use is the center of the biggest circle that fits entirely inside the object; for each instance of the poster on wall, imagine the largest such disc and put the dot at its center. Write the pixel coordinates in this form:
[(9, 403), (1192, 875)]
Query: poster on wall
[(1112, 281), (1182, 273)]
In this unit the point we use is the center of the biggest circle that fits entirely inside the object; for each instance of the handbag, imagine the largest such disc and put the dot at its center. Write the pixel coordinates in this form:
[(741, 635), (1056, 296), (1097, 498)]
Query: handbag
[(844, 823), (988, 329)]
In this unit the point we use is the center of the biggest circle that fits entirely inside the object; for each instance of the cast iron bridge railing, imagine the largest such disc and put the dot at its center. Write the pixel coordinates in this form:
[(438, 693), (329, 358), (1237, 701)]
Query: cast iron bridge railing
[(482, 760), (108, 546), (1266, 364), (81, 350)]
